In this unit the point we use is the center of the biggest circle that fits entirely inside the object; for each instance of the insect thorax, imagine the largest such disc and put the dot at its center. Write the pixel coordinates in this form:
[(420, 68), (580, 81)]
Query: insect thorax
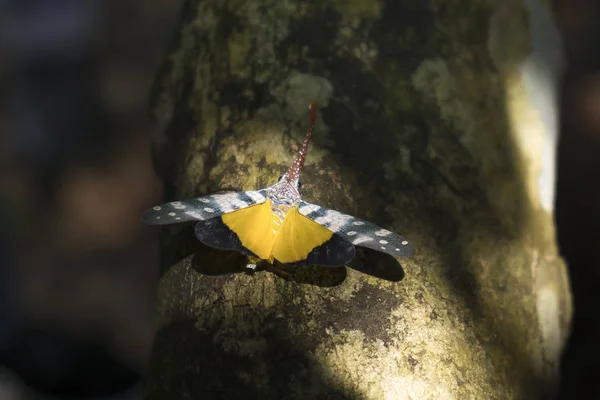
[(283, 196)]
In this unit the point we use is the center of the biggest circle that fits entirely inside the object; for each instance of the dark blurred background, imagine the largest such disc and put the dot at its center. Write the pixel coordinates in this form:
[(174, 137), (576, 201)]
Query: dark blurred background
[(578, 192), (78, 271)]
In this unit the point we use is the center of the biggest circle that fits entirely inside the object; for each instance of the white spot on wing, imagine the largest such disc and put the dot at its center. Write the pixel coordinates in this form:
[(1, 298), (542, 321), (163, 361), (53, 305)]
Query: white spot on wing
[(404, 242), (171, 214), (256, 196), (229, 202), (361, 239), (203, 200), (225, 207), (382, 247), (308, 208), (382, 232), (351, 233), (157, 208), (383, 241), (208, 209), (195, 214), (358, 223), (333, 220)]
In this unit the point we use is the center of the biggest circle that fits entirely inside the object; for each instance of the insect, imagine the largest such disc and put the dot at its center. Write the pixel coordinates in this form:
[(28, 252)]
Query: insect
[(276, 224)]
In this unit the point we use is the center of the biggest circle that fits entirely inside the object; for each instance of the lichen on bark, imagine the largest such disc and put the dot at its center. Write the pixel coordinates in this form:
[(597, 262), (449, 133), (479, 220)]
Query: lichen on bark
[(419, 130)]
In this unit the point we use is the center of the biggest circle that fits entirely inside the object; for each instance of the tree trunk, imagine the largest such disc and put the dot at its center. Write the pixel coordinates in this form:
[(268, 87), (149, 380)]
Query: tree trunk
[(436, 120)]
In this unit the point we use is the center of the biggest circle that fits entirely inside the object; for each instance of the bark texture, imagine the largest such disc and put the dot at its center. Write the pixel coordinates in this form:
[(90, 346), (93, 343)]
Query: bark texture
[(430, 124)]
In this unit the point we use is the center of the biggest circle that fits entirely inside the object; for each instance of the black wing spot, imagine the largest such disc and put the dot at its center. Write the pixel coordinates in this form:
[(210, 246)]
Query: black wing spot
[(214, 233), (333, 253)]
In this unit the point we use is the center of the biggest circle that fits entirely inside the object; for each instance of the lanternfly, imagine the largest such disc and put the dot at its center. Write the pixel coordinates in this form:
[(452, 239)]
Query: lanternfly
[(276, 224)]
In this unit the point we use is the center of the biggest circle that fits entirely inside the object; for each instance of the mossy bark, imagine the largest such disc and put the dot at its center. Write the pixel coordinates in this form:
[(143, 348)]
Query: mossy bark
[(426, 126)]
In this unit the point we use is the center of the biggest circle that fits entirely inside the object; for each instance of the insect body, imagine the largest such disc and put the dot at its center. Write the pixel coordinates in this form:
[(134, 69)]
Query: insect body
[(276, 224)]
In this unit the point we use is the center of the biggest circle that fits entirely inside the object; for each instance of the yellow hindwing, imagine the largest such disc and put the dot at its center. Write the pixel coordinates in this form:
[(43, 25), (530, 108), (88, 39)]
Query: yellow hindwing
[(254, 228), (297, 237), (263, 234)]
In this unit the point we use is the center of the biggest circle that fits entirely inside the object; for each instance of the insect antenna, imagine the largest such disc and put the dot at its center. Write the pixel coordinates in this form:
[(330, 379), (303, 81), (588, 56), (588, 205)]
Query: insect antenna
[(293, 173)]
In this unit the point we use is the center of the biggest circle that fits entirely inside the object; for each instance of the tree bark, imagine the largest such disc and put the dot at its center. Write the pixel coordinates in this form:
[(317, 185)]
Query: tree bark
[(433, 122)]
